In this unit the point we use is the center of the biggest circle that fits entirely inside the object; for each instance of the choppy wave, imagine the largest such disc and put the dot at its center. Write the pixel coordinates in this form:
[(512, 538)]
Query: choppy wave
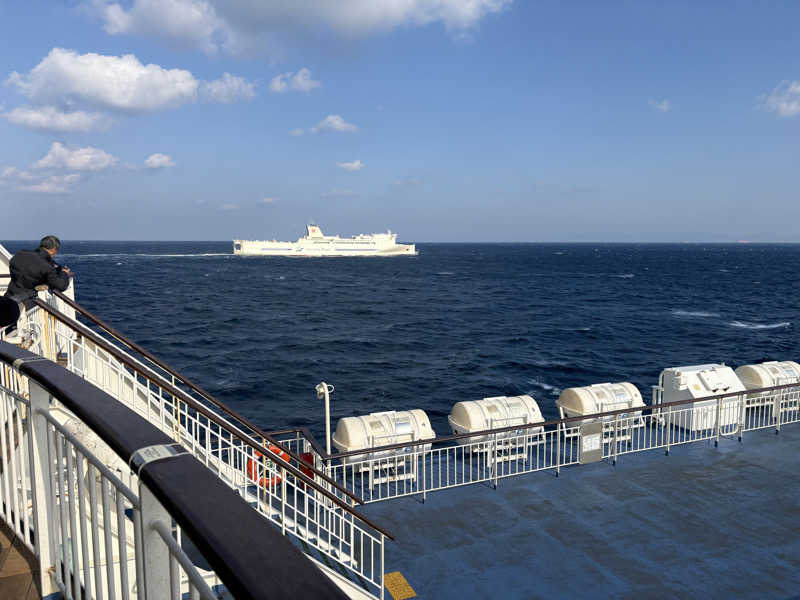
[(625, 276), (743, 325), (551, 389), (694, 313)]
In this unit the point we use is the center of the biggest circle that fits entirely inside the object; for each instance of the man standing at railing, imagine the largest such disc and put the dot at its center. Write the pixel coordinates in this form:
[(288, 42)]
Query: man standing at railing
[(33, 268)]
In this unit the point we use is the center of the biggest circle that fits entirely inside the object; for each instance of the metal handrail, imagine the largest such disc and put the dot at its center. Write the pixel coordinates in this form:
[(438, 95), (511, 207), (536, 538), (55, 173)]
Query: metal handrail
[(190, 384), (126, 433), (242, 436), (566, 420)]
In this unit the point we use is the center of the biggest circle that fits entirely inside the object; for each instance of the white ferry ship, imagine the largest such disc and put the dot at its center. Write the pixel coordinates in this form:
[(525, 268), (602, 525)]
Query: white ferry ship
[(315, 243)]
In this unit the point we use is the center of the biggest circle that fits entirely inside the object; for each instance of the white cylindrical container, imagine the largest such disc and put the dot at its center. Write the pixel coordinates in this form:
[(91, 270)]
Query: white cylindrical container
[(495, 413), (768, 374), (598, 398), (382, 429)]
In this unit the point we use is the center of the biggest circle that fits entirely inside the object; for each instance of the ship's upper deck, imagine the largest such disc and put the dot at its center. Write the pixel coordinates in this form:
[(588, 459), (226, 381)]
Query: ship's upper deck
[(705, 521)]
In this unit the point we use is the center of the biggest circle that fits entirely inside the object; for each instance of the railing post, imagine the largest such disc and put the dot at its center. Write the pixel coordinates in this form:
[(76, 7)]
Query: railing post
[(154, 551), (42, 495), (668, 427), (719, 421), (616, 435), (742, 415), (383, 569), (777, 411), (558, 447), (495, 457), (424, 487)]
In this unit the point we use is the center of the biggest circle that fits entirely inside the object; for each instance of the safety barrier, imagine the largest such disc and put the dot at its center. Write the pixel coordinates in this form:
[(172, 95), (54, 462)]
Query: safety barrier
[(300, 499), (421, 467), (94, 536)]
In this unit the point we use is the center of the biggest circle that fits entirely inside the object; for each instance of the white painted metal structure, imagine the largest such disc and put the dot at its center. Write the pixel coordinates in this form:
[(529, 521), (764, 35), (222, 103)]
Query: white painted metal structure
[(314, 243), (697, 382), (297, 509), (94, 536)]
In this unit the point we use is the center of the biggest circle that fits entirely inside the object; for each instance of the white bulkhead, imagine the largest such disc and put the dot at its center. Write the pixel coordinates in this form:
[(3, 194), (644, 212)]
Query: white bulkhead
[(495, 413), (701, 381), (382, 429)]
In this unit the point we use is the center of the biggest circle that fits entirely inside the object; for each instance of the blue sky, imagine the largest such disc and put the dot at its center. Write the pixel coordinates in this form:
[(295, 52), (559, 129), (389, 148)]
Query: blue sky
[(444, 120)]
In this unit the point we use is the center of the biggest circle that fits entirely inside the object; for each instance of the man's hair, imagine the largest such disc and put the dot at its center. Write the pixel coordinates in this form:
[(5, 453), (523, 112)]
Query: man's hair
[(50, 242)]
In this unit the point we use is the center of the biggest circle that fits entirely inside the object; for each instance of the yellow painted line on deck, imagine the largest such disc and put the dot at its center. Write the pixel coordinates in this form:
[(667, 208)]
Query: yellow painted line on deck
[(398, 587)]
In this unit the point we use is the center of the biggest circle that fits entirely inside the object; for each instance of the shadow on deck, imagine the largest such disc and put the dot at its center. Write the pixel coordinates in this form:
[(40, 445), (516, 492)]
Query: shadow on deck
[(702, 522), (19, 568)]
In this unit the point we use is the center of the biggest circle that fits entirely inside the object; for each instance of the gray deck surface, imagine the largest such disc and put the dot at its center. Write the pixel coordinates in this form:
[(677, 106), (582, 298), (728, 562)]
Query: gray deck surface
[(703, 522)]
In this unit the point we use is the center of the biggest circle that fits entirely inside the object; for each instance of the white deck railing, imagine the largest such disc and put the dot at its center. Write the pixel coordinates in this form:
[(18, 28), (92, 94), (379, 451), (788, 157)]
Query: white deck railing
[(419, 468), (90, 531), (314, 513)]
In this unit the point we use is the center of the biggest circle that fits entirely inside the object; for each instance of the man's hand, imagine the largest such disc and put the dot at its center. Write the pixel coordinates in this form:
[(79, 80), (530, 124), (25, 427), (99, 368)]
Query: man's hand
[(67, 271)]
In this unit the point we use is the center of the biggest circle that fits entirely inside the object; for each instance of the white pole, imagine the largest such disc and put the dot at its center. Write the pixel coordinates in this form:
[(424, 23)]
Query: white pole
[(324, 391)]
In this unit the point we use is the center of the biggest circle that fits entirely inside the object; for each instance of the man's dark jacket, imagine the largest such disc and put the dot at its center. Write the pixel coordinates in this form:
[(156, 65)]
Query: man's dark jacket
[(30, 268)]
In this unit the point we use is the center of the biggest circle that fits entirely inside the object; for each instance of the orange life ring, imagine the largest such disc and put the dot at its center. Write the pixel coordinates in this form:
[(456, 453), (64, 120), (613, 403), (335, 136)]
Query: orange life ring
[(260, 465)]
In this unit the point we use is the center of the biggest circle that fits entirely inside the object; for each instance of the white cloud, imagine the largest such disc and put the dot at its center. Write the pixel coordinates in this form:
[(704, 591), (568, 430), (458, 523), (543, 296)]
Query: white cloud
[(55, 184), (298, 82), (120, 83), (228, 88), (237, 25), (159, 161), (296, 132), (230, 207), (268, 201), (660, 105), (784, 99), (13, 173), (193, 22), (50, 118), (334, 123), (356, 165), (76, 159)]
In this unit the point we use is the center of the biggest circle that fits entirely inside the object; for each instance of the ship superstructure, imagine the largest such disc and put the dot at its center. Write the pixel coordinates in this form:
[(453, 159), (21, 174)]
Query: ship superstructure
[(315, 243)]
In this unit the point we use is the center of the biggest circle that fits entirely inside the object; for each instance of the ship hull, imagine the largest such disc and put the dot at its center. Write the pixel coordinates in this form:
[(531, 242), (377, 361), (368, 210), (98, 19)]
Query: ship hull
[(316, 244), (397, 250)]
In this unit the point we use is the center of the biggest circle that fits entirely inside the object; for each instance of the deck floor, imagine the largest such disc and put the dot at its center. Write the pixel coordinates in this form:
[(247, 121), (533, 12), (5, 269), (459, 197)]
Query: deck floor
[(703, 522), (19, 579)]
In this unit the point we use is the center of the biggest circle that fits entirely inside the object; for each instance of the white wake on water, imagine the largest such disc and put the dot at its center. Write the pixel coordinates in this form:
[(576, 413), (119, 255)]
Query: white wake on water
[(694, 313), (553, 390), (743, 325)]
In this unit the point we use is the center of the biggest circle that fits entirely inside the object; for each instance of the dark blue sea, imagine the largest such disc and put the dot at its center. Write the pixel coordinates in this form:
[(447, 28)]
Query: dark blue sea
[(458, 322)]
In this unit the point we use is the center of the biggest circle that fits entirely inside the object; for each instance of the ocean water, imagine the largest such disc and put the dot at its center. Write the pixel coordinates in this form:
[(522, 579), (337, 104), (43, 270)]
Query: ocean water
[(458, 322)]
